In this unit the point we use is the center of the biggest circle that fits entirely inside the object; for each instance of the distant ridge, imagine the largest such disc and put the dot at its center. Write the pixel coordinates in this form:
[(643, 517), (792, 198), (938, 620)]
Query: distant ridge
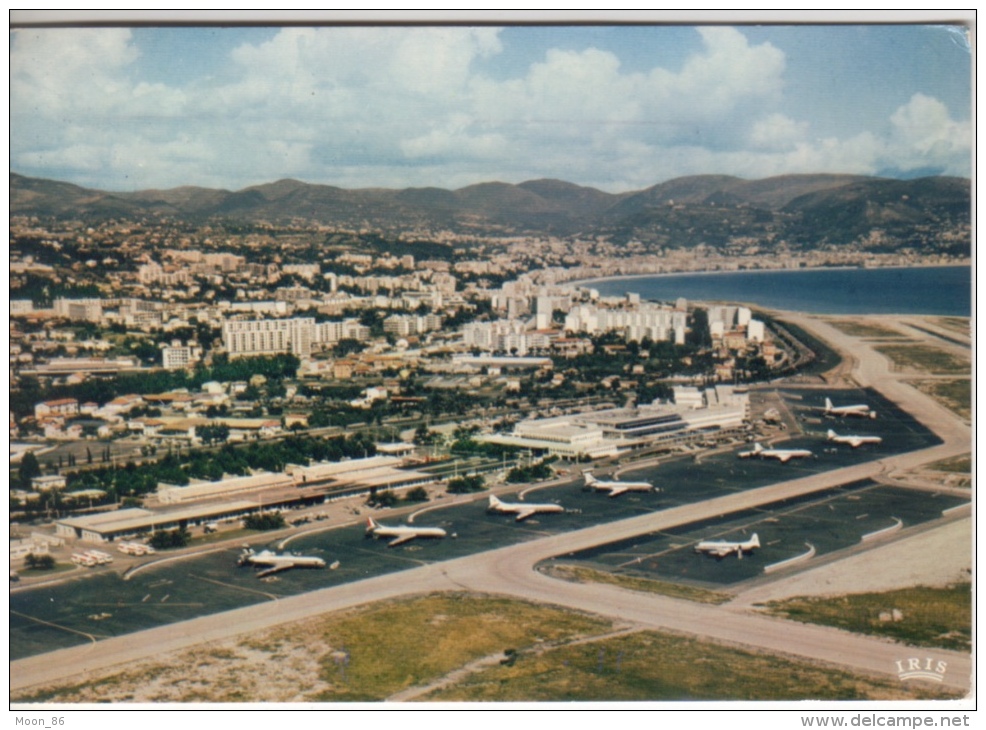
[(807, 210)]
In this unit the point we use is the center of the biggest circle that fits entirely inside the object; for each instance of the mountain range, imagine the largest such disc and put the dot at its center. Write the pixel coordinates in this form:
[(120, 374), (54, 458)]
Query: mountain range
[(710, 209)]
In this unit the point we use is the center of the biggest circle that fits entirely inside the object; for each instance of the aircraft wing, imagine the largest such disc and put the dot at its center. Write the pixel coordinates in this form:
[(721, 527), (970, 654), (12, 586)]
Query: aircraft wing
[(401, 540), (276, 568), (784, 458), (617, 491), (524, 514)]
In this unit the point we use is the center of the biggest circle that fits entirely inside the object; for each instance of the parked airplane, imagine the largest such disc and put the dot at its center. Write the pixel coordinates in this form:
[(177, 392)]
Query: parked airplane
[(274, 563), (616, 488), (854, 441), (860, 409), (782, 455), (523, 511), (400, 533), (720, 549)]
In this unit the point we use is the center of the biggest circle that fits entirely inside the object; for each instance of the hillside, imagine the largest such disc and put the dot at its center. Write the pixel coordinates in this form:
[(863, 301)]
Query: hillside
[(712, 210)]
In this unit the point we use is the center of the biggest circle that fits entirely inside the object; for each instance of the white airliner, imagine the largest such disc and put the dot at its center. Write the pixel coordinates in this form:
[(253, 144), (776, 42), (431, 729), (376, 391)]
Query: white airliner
[(276, 563), (523, 511), (860, 410), (616, 488), (854, 441), (782, 455), (400, 533), (720, 549)]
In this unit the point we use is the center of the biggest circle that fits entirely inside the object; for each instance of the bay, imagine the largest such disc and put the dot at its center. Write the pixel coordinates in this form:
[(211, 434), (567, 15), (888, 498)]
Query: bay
[(935, 290)]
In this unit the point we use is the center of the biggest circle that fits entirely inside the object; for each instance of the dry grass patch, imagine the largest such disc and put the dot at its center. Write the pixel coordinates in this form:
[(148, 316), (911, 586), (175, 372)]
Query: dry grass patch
[(864, 329), (652, 666), (366, 654), (956, 324), (634, 583), (927, 359), (935, 617), (956, 395), (955, 465)]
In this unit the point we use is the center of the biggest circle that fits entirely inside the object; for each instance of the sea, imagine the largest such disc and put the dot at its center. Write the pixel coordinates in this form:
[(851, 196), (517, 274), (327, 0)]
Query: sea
[(936, 290)]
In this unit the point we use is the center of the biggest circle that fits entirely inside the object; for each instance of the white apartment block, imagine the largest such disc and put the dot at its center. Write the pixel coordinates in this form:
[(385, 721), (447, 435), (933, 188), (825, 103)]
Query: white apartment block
[(404, 325), (303, 271), (269, 336), (90, 310), (329, 333), (177, 357), (655, 321)]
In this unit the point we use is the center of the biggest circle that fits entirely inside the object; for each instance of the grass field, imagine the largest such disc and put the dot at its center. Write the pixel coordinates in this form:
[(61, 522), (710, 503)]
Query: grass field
[(927, 359), (460, 647), (644, 585), (936, 617), (863, 329), (956, 465), (956, 395), (650, 666), (956, 324)]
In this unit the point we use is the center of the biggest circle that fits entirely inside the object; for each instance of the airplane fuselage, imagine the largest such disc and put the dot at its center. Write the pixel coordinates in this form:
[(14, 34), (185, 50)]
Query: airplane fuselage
[(859, 410), (722, 548), (853, 440), (782, 455), (522, 510), (616, 488), (274, 563), (402, 533)]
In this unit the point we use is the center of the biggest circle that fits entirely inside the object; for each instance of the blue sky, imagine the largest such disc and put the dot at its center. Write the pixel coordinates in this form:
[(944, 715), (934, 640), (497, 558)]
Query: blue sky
[(614, 107)]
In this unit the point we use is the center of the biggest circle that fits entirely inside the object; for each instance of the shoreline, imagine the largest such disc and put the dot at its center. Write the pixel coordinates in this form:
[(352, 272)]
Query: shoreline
[(828, 294), (710, 272)]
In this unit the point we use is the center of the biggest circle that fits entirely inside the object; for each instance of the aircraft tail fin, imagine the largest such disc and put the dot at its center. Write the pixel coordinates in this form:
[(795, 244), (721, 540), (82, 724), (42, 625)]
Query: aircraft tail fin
[(589, 479), (371, 524), (494, 501), (755, 540), (828, 404), (831, 434)]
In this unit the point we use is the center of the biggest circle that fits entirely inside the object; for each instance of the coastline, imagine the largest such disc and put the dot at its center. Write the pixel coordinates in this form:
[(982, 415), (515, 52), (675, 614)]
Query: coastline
[(786, 270), (925, 290)]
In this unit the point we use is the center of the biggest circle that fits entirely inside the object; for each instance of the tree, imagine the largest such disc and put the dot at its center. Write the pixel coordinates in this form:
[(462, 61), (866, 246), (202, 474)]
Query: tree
[(386, 498), (264, 521), (28, 469), (167, 539), (39, 562), (465, 485), (417, 494), (212, 433)]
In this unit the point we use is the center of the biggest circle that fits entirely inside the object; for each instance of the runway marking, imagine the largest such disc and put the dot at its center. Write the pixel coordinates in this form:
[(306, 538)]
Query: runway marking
[(393, 554), (271, 596), (91, 637)]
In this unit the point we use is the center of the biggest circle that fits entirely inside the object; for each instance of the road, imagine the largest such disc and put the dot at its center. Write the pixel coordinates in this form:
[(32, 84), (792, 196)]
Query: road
[(510, 571)]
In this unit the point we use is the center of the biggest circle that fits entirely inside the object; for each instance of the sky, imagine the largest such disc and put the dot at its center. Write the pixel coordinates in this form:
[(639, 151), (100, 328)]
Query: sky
[(614, 107)]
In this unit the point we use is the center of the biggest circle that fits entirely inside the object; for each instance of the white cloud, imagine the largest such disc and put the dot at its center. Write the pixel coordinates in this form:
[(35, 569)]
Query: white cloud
[(777, 132), (413, 106)]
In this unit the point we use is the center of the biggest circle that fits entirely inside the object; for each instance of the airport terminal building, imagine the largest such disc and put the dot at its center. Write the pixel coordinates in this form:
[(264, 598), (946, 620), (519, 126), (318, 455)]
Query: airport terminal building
[(236, 497), (695, 415)]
